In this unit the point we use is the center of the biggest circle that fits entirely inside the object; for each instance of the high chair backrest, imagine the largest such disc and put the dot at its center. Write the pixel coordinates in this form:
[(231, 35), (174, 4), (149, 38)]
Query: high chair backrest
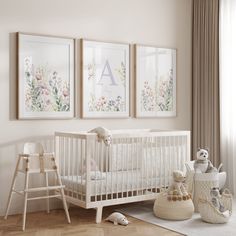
[(37, 163), (33, 148)]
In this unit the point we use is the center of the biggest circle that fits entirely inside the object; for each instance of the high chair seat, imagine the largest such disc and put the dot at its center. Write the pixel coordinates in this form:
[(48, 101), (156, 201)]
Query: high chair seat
[(34, 160)]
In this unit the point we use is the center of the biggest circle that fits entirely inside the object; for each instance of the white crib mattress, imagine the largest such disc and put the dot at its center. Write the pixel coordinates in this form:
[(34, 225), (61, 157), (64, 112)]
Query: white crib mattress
[(115, 182)]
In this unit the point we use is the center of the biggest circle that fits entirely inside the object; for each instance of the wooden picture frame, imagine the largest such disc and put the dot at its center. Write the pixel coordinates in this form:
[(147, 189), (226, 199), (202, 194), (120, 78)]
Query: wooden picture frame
[(45, 77), (105, 76), (155, 81)]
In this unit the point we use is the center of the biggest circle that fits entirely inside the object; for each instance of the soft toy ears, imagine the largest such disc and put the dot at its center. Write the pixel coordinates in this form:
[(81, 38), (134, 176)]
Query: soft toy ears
[(207, 148)]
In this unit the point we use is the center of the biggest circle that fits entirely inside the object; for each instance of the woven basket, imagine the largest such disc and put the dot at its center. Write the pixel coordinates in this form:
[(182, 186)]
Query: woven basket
[(203, 182), (212, 215)]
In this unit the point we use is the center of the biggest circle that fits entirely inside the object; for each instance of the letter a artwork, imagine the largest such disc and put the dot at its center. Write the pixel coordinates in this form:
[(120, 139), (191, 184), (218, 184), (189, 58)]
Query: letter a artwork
[(107, 74)]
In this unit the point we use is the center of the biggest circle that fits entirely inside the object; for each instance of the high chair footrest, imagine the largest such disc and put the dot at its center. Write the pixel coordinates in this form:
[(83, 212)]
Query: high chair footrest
[(43, 197), (44, 188)]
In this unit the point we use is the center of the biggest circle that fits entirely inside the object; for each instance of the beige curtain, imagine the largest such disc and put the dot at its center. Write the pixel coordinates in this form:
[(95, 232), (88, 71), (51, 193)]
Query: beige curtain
[(205, 116)]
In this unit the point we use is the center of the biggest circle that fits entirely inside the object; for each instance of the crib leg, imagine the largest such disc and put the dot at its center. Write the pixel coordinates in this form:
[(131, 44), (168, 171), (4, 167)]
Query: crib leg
[(99, 214)]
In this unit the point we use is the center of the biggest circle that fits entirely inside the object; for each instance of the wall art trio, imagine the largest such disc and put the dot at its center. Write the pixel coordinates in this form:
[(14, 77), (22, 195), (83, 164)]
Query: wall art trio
[(46, 79)]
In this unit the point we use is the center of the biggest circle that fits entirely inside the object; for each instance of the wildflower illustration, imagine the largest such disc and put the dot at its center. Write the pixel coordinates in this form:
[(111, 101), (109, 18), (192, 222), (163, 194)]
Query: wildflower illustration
[(122, 73), (91, 70), (159, 96), (147, 97), (45, 90), (106, 104), (164, 98)]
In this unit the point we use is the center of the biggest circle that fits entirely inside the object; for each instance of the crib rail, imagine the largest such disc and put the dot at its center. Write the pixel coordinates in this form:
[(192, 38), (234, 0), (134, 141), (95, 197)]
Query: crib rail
[(135, 166)]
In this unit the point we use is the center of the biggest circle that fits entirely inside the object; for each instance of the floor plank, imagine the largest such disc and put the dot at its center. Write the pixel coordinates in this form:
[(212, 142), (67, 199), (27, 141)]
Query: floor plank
[(83, 224)]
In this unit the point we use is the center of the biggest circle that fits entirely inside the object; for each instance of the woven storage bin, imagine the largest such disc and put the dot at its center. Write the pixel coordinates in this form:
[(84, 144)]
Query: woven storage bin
[(172, 210), (212, 215), (203, 182)]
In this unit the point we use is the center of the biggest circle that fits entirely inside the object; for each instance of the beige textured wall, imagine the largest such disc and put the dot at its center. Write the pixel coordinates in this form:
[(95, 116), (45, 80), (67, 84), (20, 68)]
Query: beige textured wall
[(165, 23)]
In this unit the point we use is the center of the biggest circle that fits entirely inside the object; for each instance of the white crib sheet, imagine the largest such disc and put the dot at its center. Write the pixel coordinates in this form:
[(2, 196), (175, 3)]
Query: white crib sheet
[(115, 182)]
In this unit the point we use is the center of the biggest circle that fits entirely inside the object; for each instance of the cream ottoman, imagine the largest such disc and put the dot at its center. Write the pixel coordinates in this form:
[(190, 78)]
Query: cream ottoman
[(173, 209)]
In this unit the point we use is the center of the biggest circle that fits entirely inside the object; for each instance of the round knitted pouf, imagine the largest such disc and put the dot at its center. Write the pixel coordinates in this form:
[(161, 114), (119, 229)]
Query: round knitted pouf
[(173, 209)]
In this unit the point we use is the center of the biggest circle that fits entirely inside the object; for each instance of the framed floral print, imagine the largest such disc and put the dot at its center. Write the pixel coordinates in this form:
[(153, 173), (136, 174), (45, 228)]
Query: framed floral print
[(105, 80), (45, 77), (155, 81)]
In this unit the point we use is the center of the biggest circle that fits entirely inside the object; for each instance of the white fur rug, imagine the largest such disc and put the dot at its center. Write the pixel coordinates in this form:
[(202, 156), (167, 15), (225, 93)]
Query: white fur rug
[(192, 227)]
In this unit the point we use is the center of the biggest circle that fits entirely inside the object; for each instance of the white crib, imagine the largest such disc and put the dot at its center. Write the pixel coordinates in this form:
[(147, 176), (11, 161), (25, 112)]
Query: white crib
[(134, 168)]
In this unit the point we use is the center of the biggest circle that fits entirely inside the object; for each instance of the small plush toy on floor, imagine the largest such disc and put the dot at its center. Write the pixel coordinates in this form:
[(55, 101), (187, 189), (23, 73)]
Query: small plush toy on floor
[(118, 218)]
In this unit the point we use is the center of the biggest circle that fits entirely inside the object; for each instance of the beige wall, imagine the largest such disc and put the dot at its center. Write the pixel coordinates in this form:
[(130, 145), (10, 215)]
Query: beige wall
[(165, 23)]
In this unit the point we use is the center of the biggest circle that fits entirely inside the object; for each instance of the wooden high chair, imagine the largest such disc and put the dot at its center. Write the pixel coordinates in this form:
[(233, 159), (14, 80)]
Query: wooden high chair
[(35, 161)]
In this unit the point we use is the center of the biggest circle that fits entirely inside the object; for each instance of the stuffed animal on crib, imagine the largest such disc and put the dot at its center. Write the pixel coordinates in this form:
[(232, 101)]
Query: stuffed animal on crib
[(177, 190), (202, 164), (103, 135), (118, 218), (216, 199)]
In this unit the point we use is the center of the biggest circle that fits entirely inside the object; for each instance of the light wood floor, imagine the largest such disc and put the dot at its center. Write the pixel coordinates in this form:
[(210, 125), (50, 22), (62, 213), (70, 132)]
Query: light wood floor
[(83, 224)]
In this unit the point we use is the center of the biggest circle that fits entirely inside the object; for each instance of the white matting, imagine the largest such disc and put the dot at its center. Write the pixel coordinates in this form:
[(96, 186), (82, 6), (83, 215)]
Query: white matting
[(192, 227)]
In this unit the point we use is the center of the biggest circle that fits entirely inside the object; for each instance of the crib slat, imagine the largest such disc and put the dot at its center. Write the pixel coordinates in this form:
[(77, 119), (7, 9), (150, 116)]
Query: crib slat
[(175, 152), (157, 159), (77, 159), (132, 165), (182, 148), (178, 153), (161, 161), (122, 166), (126, 166), (117, 158), (188, 146), (72, 165), (106, 162), (171, 155), (59, 154), (102, 166), (165, 155), (111, 167), (82, 166), (88, 146), (143, 163), (137, 177), (96, 161), (153, 170), (169, 159), (64, 156), (162, 170), (147, 168)]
